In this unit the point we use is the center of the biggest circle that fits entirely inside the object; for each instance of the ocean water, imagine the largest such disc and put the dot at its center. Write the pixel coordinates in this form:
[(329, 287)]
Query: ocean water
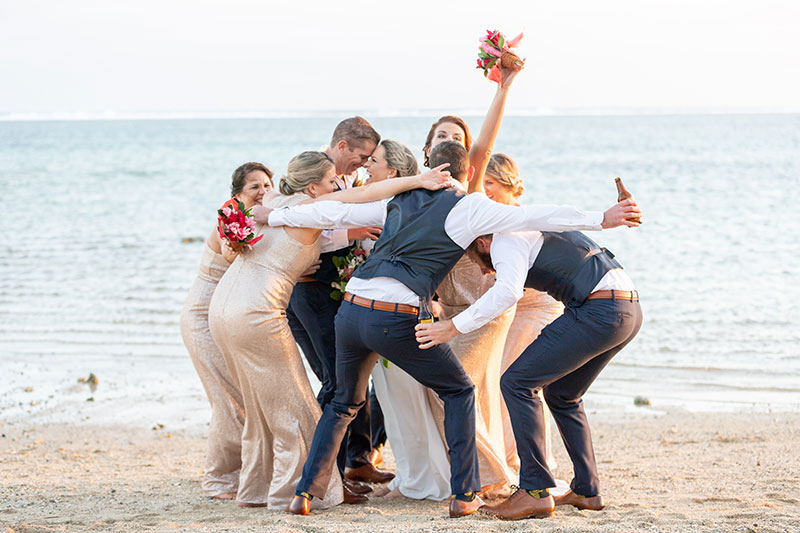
[(94, 270)]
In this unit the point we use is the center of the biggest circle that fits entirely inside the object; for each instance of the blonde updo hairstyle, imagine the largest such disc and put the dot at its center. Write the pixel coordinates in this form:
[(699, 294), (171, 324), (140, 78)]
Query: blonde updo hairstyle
[(304, 169), (400, 158), (503, 169)]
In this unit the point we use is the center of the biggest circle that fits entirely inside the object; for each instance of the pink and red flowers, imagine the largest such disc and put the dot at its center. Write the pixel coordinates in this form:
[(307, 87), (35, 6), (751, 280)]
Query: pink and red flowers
[(495, 48), (236, 223)]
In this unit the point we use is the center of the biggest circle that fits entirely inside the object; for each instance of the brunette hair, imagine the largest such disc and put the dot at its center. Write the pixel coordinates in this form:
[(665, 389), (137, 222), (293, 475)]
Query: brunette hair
[(304, 169), (485, 258), (400, 157), (453, 153), (239, 177), (458, 121), (356, 131), (505, 171)]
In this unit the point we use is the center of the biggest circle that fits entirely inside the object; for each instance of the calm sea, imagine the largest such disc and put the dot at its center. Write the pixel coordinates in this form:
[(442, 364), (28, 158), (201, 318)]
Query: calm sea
[(94, 267)]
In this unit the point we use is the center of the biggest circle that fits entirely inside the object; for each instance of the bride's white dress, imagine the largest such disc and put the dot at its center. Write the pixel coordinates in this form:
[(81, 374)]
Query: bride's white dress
[(422, 466)]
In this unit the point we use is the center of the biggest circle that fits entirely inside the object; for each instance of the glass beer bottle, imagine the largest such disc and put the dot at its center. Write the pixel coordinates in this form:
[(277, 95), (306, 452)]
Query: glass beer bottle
[(425, 316), (624, 194)]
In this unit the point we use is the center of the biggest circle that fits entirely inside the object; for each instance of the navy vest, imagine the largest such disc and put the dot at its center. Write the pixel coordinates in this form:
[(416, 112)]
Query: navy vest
[(569, 266), (413, 247)]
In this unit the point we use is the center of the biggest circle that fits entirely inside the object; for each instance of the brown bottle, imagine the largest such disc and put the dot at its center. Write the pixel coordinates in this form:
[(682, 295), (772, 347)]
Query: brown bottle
[(425, 316), (623, 194)]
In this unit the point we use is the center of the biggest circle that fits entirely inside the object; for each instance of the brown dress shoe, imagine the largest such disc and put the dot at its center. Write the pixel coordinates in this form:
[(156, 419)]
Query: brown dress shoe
[(368, 473), (351, 497), (594, 503), (462, 508), (519, 506), (357, 486), (299, 505)]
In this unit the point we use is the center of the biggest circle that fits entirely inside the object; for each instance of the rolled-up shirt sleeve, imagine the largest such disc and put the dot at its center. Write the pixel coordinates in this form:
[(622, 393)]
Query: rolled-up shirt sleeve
[(333, 239), (510, 255), (330, 215)]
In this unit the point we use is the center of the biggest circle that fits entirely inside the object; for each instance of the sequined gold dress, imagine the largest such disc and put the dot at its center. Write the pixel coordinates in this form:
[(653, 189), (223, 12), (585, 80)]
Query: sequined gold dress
[(248, 322), (480, 353), (224, 446), (534, 311)]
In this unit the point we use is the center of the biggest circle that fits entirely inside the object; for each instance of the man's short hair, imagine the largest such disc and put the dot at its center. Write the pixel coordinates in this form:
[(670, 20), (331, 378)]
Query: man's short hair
[(453, 153), (356, 131)]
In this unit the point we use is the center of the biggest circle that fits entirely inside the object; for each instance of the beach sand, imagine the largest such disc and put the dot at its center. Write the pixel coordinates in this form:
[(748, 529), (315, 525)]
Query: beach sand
[(660, 471)]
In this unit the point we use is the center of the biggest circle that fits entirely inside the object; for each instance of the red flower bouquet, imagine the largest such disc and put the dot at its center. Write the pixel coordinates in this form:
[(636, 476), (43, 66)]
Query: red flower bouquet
[(495, 48), (236, 223)]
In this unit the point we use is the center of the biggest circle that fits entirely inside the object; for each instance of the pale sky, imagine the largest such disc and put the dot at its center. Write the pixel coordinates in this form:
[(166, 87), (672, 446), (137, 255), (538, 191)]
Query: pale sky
[(83, 56)]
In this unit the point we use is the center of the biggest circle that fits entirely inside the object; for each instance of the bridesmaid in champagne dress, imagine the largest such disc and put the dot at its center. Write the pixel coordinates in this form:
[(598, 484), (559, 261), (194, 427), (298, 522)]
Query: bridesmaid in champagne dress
[(223, 451), (248, 322)]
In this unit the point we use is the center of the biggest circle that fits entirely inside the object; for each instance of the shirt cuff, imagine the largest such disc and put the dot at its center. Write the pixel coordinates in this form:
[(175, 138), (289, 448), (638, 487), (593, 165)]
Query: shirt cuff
[(276, 218), (462, 323), (335, 240)]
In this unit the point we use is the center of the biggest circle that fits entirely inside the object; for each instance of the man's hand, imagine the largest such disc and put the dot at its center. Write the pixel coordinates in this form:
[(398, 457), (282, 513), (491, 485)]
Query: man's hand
[(433, 333), (359, 234), (261, 214), (621, 215), (436, 178), (312, 269)]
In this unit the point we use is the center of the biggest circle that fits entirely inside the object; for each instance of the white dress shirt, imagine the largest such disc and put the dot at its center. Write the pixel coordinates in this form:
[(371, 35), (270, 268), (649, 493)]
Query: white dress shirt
[(513, 255), (336, 239), (474, 215)]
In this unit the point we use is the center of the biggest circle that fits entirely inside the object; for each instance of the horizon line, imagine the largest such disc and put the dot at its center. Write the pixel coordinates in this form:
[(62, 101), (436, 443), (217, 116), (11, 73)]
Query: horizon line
[(389, 113)]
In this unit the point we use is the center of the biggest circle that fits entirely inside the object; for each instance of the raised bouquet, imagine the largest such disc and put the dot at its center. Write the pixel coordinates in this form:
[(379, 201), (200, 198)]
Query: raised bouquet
[(496, 49), (346, 265), (236, 223)]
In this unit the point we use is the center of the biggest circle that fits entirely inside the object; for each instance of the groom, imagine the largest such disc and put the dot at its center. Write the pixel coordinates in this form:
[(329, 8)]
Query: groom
[(424, 234)]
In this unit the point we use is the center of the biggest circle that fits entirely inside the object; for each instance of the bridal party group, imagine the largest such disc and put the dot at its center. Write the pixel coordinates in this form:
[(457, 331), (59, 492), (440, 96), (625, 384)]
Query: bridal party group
[(447, 317)]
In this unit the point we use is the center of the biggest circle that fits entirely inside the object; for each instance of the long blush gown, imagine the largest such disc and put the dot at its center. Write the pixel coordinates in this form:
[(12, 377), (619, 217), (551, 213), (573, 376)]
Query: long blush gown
[(248, 322), (224, 446)]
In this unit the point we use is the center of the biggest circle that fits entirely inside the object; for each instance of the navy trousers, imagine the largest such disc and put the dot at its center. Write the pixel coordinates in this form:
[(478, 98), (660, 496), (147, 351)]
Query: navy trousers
[(311, 314), (563, 361), (361, 333)]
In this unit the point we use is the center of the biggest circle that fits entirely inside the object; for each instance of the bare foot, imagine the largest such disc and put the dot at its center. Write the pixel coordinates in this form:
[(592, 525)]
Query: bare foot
[(393, 495), (381, 492), (225, 496)]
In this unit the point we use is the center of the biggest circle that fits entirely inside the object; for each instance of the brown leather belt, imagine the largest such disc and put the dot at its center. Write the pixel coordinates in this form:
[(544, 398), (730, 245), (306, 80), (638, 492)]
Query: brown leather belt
[(305, 279), (615, 295), (380, 306)]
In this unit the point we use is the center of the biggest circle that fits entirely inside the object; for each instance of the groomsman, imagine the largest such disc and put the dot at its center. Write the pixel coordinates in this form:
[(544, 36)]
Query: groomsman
[(311, 309), (602, 316), (424, 235)]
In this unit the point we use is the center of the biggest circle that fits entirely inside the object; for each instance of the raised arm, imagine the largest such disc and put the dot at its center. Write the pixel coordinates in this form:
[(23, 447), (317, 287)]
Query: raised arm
[(481, 149), (433, 179)]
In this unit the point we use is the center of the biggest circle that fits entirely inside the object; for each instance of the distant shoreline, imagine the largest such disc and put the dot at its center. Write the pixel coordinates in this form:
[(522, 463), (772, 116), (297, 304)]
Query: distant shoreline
[(383, 113)]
